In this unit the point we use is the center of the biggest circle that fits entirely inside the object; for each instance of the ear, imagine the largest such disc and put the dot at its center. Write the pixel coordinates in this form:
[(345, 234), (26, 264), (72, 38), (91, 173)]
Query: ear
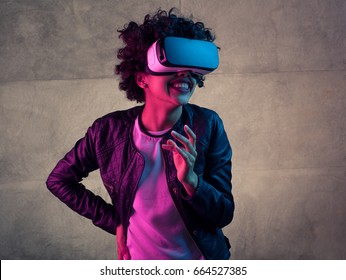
[(141, 79)]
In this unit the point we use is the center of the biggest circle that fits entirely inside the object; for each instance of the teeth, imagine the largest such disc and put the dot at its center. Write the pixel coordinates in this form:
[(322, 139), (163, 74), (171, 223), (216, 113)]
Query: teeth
[(181, 85)]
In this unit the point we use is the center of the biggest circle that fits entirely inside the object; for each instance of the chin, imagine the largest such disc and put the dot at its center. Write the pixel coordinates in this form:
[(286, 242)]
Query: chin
[(183, 101)]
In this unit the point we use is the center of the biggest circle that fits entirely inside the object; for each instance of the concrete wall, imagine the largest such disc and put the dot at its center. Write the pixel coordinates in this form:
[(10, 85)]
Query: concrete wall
[(280, 90)]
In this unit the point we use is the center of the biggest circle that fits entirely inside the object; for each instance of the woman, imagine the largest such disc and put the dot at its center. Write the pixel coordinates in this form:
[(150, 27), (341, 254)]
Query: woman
[(166, 165)]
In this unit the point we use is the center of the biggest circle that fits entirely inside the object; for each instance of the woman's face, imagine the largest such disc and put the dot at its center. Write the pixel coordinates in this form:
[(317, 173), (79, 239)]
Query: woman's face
[(170, 90)]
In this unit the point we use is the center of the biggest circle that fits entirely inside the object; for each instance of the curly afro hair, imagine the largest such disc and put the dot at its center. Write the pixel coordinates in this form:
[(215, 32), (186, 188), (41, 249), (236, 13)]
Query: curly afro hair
[(138, 38)]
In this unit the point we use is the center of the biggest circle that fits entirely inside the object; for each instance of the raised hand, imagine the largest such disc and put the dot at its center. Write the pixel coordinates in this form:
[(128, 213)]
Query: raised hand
[(184, 158)]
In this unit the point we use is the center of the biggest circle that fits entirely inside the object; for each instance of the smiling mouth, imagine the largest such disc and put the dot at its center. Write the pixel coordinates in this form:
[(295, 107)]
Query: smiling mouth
[(180, 85)]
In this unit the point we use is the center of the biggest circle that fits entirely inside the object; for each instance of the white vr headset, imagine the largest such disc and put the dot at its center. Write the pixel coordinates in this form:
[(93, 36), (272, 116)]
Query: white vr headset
[(173, 54)]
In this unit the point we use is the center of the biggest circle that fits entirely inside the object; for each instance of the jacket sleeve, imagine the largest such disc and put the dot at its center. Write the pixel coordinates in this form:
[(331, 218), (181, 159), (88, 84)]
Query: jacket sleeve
[(213, 200), (65, 183)]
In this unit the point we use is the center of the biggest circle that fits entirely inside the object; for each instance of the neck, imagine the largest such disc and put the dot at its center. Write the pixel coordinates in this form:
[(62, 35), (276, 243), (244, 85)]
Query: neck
[(158, 119)]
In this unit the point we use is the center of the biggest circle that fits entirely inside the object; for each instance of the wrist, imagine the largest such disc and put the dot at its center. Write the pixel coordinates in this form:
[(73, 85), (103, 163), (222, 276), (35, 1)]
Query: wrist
[(191, 185)]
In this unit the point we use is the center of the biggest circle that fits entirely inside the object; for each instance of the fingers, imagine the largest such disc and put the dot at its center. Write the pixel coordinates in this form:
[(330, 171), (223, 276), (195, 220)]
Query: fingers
[(188, 143), (191, 135), (184, 158), (123, 252), (173, 147), (123, 255)]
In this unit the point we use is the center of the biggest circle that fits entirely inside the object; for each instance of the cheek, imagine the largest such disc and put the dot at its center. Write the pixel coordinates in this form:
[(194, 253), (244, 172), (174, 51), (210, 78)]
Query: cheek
[(164, 84), (159, 86), (193, 88), (167, 85)]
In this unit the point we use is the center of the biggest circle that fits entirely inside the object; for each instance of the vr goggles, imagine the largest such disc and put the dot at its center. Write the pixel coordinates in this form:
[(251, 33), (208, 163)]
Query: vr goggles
[(172, 54)]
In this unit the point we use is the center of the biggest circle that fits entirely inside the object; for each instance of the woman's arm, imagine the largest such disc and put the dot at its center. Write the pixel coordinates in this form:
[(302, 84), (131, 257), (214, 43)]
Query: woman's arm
[(65, 183)]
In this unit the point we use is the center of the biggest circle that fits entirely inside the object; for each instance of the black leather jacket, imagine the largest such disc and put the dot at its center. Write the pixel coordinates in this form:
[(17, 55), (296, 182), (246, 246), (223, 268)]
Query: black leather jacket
[(108, 146)]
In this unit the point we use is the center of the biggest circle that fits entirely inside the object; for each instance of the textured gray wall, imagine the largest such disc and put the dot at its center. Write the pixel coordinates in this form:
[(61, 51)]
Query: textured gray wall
[(280, 90)]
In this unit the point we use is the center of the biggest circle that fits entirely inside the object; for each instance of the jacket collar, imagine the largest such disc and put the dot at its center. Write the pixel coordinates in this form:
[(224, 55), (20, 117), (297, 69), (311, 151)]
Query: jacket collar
[(185, 118)]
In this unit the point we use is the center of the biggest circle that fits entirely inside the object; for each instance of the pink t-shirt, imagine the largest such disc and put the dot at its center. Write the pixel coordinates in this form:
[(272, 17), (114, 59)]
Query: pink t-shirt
[(156, 230)]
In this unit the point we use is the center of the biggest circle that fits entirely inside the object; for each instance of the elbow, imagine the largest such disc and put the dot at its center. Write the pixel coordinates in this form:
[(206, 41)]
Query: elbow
[(50, 182), (53, 183)]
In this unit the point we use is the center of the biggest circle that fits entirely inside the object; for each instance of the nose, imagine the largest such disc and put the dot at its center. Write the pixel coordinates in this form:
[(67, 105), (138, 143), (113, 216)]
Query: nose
[(184, 73)]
